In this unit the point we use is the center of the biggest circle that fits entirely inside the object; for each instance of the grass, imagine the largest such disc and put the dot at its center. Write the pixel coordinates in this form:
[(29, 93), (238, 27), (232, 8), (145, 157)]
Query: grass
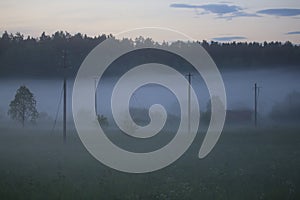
[(245, 164)]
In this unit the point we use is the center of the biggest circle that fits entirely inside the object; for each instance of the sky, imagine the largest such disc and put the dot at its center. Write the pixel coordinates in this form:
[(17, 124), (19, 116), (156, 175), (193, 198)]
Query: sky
[(223, 21)]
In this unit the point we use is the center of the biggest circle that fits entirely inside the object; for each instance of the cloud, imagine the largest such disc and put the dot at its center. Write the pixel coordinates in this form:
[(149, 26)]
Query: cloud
[(221, 10), (280, 12), (228, 38), (238, 14), (182, 5), (213, 8), (293, 33)]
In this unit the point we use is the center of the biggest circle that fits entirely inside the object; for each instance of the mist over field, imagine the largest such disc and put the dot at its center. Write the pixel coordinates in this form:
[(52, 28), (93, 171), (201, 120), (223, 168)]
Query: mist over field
[(276, 86), (102, 100), (248, 161)]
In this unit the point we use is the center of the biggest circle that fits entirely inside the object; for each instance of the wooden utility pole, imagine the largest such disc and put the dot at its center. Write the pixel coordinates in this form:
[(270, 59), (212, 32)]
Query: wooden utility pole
[(96, 107), (65, 100), (256, 92), (189, 101)]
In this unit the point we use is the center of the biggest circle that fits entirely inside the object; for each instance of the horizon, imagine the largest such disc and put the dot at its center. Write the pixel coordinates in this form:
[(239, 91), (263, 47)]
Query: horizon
[(220, 21), (221, 41)]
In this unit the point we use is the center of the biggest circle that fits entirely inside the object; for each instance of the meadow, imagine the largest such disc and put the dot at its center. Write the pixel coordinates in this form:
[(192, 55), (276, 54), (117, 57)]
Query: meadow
[(247, 163)]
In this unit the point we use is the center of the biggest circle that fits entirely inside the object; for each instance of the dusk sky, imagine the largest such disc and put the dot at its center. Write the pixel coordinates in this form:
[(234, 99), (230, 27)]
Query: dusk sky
[(243, 20)]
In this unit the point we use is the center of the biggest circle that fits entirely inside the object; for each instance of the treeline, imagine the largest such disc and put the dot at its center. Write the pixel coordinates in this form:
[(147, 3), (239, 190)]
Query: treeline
[(42, 56)]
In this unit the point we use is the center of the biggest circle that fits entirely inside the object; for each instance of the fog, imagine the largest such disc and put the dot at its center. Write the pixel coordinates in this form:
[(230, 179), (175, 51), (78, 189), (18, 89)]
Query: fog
[(274, 85), (265, 159)]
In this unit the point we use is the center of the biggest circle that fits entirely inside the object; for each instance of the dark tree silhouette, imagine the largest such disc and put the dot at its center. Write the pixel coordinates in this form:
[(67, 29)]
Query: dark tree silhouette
[(41, 57), (23, 107), (102, 120)]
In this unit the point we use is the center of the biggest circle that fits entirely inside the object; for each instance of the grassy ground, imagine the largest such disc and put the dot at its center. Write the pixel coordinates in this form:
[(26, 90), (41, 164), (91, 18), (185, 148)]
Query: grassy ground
[(245, 164)]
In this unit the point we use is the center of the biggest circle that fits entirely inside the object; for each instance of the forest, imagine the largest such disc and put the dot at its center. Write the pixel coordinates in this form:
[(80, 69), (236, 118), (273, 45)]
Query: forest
[(41, 57)]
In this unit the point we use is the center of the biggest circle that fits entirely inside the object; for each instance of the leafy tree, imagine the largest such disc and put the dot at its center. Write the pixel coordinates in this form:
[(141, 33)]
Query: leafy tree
[(23, 107), (102, 120)]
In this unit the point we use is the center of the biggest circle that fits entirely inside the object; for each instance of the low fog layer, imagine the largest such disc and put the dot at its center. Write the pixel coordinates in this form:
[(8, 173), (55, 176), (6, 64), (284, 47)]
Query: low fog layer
[(278, 95)]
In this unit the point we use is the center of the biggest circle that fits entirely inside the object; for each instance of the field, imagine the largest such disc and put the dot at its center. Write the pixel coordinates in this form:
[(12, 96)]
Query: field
[(246, 163)]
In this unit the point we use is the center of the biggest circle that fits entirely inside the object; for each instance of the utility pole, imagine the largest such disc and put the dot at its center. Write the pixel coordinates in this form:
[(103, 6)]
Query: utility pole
[(189, 101), (96, 107), (256, 92), (65, 100)]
